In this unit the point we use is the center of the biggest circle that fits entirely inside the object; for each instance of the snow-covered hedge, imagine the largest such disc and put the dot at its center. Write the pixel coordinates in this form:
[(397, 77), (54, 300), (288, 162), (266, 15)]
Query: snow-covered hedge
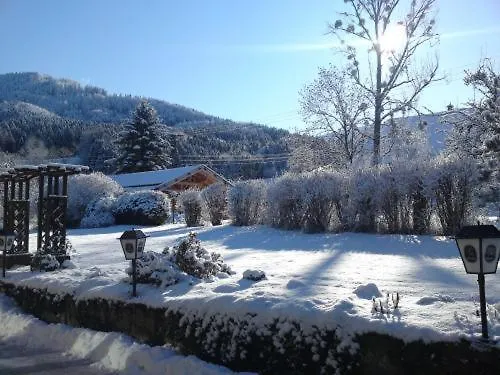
[(85, 188), (247, 202), (434, 196), (142, 207), (215, 200), (99, 213), (192, 205)]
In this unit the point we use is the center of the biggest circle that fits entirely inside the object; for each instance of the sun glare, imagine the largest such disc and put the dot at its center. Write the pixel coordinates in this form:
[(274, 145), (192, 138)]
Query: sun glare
[(393, 39)]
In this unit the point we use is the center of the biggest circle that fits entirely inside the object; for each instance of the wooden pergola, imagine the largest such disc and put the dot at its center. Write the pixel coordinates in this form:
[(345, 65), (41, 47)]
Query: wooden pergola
[(52, 202)]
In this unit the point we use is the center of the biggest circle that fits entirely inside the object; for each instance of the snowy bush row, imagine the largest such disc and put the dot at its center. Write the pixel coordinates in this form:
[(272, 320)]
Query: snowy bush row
[(435, 196)]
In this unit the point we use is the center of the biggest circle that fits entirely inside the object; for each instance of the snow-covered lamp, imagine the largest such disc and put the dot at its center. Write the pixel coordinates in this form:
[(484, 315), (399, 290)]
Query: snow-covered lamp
[(6, 243), (133, 242), (479, 247)]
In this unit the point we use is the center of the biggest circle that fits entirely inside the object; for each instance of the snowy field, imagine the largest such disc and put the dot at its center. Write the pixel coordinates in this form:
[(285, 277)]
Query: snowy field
[(324, 279)]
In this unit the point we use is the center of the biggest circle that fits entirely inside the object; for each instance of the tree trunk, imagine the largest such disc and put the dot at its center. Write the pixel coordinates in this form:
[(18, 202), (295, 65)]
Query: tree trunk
[(378, 112)]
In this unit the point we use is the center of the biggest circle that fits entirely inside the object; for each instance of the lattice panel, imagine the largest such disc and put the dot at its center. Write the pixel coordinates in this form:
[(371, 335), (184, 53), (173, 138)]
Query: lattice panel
[(53, 222), (18, 223)]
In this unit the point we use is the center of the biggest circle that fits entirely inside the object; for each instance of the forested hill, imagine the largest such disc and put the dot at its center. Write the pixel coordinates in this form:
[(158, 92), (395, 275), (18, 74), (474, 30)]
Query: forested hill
[(70, 99), (69, 119)]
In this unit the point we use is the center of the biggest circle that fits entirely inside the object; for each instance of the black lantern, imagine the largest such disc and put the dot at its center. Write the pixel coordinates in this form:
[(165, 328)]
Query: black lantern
[(133, 242), (6, 244), (479, 247)]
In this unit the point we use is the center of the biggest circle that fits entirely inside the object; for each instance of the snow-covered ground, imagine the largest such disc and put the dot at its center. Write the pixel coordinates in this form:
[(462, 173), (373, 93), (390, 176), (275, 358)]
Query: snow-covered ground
[(324, 279)]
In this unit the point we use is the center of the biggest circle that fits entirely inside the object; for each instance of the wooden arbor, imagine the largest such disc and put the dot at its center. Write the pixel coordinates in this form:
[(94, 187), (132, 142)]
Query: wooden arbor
[(16, 203), (52, 202)]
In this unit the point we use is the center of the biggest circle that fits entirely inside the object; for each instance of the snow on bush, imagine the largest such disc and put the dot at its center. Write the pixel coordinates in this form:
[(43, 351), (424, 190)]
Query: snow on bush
[(195, 260), (156, 268), (85, 188), (99, 213), (322, 201), (451, 184), (192, 206), (44, 262), (247, 202), (364, 185), (146, 207), (215, 200), (285, 196)]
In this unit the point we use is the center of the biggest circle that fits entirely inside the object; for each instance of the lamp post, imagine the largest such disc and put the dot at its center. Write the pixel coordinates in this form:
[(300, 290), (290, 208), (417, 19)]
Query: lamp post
[(479, 247), (6, 243), (133, 242)]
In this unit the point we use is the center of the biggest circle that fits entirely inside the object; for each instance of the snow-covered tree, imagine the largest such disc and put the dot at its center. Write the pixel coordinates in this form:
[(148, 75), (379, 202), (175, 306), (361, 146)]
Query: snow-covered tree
[(142, 146), (476, 130), (393, 36), (334, 107)]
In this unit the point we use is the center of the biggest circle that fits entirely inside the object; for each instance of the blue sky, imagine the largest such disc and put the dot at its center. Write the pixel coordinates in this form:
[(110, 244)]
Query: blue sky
[(239, 59)]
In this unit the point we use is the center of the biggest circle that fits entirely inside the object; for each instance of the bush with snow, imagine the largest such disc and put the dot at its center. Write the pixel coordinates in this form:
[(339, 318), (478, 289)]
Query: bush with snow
[(85, 188), (192, 205), (146, 207), (44, 262), (285, 196), (156, 268), (247, 202), (99, 213), (451, 183), (215, 200), (195, 260)]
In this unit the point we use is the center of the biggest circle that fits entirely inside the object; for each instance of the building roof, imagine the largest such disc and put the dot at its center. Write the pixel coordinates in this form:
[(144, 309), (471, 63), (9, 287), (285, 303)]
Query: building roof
[(163, 179)]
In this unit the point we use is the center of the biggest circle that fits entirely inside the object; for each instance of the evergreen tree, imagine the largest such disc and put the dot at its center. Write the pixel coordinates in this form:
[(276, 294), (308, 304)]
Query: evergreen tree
[(142, 147)]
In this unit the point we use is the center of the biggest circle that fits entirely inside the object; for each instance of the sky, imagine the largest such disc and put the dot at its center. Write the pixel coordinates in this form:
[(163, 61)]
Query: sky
[(245, 60)]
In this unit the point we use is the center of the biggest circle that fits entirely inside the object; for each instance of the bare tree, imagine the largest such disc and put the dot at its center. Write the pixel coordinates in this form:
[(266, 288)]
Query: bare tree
[(335, 106), (390, 77)]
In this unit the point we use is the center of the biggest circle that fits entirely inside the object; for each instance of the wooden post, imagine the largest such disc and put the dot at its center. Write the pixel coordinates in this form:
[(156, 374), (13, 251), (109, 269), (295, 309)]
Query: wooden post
[(40, 209)]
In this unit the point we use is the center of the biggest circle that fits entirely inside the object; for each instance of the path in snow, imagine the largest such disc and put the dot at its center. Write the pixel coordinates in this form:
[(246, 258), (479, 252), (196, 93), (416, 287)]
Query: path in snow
[(18, 360)]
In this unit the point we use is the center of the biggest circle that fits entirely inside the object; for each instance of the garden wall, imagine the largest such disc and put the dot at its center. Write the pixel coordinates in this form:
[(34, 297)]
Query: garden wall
[(276, 347)]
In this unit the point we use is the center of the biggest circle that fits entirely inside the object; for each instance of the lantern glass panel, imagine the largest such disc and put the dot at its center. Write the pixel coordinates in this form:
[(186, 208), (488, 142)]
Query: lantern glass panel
[(2, 242), (129, 248), (141, 243), (491, 250), (469, 251)]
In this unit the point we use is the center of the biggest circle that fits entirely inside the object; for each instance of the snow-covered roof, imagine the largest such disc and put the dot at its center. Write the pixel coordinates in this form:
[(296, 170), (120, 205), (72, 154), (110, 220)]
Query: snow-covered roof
[(161, 179)]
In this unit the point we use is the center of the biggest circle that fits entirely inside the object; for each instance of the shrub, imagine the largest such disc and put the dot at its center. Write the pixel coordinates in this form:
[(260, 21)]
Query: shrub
[(322, 195), (44, 262), (85, 188), (142, 208), (192, 205), (451, 184), (362, 201), (156, 268), (195, 260), (247, 202), (285, 198), (214, 197), (99, 213)]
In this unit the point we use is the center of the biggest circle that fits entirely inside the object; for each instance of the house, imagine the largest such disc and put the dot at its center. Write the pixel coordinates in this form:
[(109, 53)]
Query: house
[(171, 181)]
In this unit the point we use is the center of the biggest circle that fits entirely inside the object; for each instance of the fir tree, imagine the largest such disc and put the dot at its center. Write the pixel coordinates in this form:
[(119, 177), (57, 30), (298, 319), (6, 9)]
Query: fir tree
[(142, 147)]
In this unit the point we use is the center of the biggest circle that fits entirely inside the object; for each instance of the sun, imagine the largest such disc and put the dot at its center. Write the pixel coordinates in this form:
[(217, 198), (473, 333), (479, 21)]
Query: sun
[(393, 39)]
